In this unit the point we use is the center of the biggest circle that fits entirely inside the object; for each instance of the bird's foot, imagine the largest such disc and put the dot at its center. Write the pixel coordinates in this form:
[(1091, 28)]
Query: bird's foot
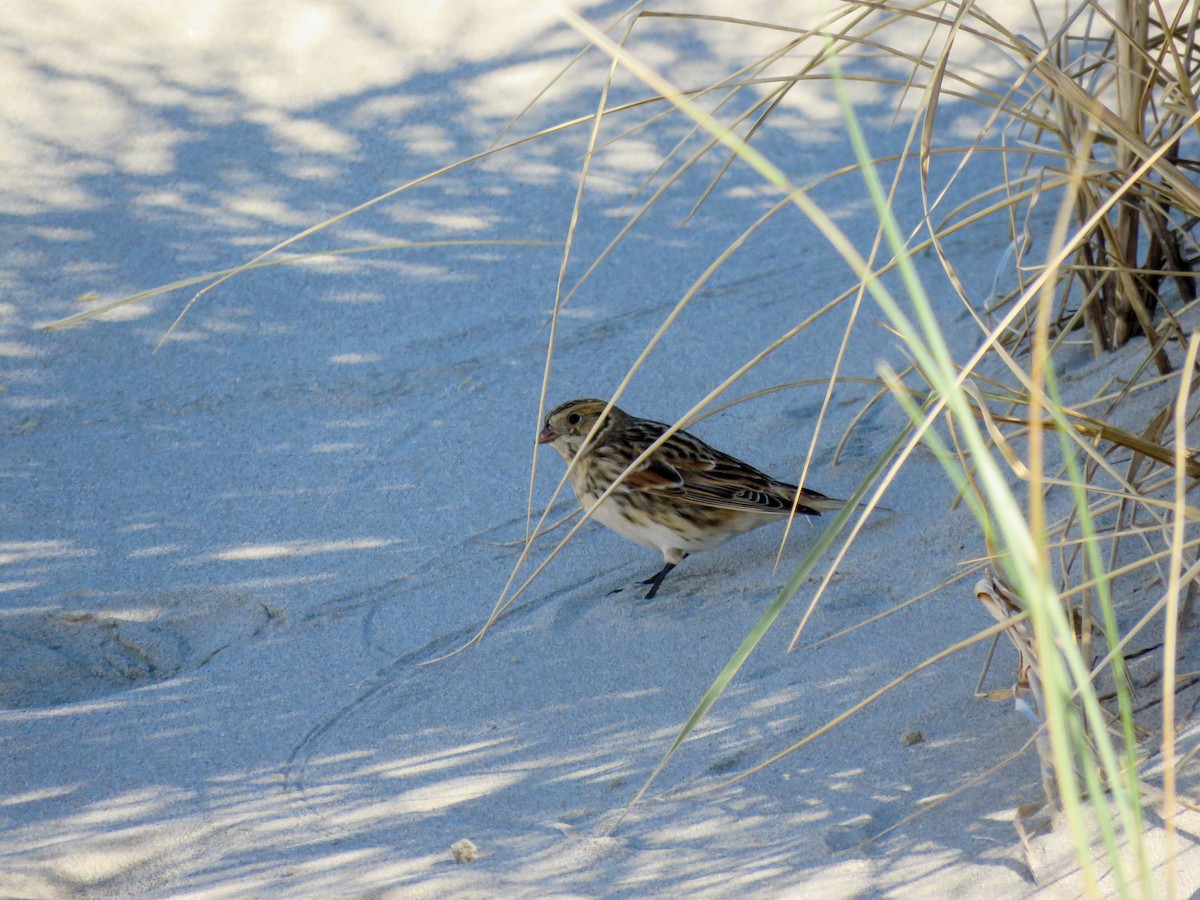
[(655, 581)]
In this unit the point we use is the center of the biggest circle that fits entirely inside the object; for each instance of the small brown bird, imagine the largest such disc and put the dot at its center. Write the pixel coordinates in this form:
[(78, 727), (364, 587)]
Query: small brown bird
[(684, 498)]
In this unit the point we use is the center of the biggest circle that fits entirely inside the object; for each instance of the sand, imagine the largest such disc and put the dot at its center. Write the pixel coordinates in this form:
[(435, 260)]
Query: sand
[(222, 563)]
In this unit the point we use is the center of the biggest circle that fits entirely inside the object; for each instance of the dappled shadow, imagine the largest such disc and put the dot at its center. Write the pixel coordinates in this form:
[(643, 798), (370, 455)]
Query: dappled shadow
[(220, 564), (530, 748)]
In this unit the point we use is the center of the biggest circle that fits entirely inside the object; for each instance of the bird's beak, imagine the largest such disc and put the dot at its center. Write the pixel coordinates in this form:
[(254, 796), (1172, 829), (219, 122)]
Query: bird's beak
[(547, 435)]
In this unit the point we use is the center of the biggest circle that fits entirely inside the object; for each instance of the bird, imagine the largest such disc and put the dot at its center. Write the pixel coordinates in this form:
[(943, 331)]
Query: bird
[(685, 497)]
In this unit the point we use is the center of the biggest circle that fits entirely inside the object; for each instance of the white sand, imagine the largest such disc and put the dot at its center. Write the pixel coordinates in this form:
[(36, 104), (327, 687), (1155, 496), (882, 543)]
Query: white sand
[(220, 564)]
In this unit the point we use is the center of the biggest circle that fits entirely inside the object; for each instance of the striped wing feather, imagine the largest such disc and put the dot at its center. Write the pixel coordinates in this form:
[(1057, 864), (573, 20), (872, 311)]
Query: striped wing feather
[(689, 469)]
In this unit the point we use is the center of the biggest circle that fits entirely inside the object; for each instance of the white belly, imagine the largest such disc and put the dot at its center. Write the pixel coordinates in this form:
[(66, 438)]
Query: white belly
[(673, 544)]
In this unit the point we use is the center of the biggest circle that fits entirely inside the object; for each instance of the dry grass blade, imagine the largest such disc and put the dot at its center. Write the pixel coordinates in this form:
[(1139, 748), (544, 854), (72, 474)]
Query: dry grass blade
[(1090, 428), (628, 11), (1171, 618), (593, 136), (521, 542), (100, 309), (874, 696), (998, 600), (892, 610)]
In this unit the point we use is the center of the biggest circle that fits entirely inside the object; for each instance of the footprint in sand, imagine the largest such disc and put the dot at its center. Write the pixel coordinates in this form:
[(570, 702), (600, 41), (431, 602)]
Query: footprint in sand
[(52, 658)]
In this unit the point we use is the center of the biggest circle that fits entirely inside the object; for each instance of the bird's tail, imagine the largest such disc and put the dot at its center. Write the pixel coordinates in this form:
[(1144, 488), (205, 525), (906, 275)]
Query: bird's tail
[(814, 503)]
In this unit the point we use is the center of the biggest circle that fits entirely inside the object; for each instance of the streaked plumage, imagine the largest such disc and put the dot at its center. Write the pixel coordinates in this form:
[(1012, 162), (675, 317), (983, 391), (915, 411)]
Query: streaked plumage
[(686, 497)]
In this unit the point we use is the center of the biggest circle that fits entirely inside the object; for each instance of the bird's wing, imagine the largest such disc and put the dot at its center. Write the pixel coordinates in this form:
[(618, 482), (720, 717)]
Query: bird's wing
[(727, 483), (689, 469), (655, 475)]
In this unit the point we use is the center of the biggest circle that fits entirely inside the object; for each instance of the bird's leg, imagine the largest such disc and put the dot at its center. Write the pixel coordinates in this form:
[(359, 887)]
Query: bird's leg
[(656, 580)]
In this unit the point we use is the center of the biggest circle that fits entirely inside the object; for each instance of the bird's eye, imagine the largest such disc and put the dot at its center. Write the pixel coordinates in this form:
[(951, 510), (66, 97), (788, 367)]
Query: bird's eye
[(573, 419)]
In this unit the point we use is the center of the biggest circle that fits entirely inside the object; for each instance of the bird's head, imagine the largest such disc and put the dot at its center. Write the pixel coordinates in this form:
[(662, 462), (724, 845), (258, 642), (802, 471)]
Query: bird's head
[(569, 423)]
